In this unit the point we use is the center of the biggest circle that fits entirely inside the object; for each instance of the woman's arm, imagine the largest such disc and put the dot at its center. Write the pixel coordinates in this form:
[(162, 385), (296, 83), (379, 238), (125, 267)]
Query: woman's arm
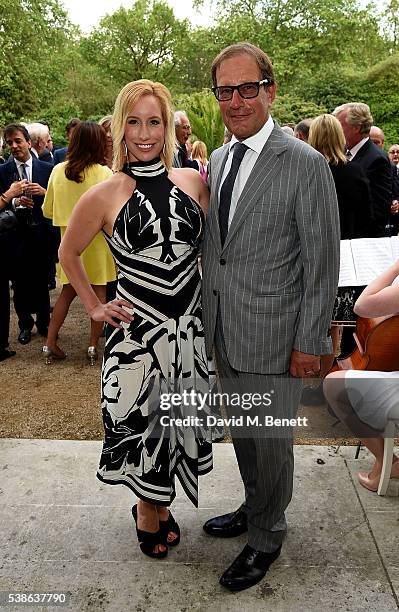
[(204, 196), (86, 222), (48, 204), (380, 297)]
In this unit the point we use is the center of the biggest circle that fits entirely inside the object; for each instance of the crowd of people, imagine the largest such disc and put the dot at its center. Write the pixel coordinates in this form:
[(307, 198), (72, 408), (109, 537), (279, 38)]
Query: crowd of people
[(266, 215)]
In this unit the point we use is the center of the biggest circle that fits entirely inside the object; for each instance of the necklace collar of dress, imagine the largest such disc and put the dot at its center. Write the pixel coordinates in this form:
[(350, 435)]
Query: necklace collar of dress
[(150, 169)]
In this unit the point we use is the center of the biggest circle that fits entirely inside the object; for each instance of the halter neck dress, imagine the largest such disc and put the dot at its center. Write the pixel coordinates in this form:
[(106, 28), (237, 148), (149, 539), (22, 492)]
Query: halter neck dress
[(155, 243)]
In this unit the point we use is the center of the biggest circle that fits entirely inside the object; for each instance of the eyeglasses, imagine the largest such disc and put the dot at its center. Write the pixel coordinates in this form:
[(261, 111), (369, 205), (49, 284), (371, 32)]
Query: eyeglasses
[(246, 90)]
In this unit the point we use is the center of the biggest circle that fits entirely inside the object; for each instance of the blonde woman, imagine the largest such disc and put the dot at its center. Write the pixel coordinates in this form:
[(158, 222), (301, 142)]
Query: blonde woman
[(199, 155), (153, 218)]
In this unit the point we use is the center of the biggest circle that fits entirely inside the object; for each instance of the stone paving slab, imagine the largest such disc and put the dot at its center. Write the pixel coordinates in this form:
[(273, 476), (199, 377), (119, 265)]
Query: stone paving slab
[(63, 530)]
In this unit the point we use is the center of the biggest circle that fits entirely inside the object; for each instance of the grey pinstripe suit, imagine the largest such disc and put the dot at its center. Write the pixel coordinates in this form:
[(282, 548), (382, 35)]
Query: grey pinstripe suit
[(270, 290)]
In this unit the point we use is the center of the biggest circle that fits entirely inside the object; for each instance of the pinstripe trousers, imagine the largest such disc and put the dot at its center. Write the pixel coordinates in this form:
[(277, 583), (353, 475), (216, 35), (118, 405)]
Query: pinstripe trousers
[(265, 457)]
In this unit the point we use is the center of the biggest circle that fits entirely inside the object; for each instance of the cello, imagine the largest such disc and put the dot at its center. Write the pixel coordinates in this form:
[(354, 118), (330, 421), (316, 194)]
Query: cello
[(377, 346)]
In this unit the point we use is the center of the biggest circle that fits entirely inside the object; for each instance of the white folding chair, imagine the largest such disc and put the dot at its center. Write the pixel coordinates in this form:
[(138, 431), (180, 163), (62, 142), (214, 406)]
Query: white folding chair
[(389, 435)]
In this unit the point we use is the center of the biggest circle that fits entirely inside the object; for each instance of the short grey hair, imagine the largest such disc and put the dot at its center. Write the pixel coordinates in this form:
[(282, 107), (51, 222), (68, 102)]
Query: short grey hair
[(358, 114), (303, 127), (37, 131), (179, 116)]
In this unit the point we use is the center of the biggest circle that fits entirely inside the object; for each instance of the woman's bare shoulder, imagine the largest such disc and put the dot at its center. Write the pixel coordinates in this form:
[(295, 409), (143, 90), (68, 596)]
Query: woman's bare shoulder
[(185, 176), (184, 172), (104, 190)]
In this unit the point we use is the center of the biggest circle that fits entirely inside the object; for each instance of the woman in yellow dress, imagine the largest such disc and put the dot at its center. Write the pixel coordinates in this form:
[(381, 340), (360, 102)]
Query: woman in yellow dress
[(68, 182)]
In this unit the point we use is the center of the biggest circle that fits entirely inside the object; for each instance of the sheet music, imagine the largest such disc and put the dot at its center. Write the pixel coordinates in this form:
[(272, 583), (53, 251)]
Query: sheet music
[(347, 274), (371, 257), (395, 248), (363, 259)]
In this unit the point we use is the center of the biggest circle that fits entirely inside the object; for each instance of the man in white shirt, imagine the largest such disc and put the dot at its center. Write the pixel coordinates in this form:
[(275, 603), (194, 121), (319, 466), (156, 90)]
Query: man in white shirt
[(23, 183)]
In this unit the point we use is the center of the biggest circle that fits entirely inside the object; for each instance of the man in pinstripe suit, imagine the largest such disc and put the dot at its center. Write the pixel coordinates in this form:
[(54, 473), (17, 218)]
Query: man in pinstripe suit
[(270, 265)]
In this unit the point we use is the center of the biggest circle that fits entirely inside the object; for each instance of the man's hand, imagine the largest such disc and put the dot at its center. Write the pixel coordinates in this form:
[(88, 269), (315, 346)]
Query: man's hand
[(35, 189), (395, 207), (304, 365)]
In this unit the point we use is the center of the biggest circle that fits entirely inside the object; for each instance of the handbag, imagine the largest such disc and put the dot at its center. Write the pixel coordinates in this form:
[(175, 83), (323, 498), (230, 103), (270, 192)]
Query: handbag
[(8, 221)]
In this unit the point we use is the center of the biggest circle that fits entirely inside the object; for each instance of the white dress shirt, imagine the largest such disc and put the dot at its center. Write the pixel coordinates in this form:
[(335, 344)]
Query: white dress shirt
[(28, 168), (357, 147), (255, 145)]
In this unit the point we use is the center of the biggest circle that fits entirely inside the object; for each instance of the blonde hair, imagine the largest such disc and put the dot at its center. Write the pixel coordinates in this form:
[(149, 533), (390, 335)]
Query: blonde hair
[(126, 99), (327, 136), (358, 113), (199, 152), (105, 122)]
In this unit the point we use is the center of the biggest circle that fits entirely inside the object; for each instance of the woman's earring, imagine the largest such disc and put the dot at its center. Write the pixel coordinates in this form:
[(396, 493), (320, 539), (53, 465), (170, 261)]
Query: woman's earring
[(164, 149), (126, 150)]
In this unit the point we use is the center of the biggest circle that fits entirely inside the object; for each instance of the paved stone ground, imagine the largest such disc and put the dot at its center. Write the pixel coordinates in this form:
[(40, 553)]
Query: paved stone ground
[(62, 530)]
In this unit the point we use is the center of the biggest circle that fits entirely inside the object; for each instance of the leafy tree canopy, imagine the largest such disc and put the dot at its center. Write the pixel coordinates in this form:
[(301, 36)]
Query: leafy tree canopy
[(324, 52)]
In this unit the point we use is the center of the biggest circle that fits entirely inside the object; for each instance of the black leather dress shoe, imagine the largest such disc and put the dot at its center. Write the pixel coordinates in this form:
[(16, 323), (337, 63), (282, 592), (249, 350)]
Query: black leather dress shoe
[(248, 568), (228, 525), (25, 336), (5, 354)]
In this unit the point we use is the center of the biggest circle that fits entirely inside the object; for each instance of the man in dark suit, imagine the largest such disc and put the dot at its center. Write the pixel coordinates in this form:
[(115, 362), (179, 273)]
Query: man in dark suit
[(60, 154), (23, 184), (356, 121), (39, 135), (47, 155), (183, 130), (270, 269), (378, 137)]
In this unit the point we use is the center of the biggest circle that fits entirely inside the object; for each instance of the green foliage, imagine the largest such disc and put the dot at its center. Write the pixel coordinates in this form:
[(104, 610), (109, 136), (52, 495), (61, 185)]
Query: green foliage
[(325, 52), (380, 89), (206, 121), (291, 109), (142, 42), (34, 34)]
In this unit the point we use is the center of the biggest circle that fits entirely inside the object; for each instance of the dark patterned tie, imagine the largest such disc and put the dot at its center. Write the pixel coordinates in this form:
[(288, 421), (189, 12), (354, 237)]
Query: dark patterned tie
[(227, 189), (24, 175), (348, 155)]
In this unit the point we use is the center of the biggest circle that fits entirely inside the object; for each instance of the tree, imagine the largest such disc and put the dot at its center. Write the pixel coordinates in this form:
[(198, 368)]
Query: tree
[(142, 42), (379, 87), (33, 35)]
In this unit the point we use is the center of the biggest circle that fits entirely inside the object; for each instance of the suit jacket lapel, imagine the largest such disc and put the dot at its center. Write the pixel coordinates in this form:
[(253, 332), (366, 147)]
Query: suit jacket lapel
[(266, 166), (213, 216), (12, 171), (34, 169)]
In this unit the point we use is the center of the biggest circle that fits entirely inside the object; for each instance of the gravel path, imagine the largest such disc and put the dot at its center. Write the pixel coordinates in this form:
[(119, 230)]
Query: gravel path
[(62, 401)]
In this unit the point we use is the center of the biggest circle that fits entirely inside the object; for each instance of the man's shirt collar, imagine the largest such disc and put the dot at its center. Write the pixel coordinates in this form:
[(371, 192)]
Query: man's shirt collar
[(28, 162), (258, 140), (358, 146)]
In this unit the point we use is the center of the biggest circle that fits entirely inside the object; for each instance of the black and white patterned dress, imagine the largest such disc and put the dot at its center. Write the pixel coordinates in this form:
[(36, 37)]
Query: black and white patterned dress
[(155, 244)]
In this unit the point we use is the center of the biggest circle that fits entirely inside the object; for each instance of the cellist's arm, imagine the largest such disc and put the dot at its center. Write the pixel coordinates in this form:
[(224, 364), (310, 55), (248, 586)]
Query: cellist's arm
[(380, 297)]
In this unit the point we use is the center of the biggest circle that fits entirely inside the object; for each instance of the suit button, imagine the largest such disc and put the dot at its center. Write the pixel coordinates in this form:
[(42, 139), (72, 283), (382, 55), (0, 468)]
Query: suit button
[(222, 262), (214, 292)]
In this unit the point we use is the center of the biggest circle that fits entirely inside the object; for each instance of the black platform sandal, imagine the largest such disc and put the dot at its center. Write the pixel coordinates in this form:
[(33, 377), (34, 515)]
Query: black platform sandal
[(148, 540), (165, 527)]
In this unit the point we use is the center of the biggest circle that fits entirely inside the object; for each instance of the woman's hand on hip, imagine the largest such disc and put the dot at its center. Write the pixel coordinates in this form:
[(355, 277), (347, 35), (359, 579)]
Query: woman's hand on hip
[(117, 309)]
